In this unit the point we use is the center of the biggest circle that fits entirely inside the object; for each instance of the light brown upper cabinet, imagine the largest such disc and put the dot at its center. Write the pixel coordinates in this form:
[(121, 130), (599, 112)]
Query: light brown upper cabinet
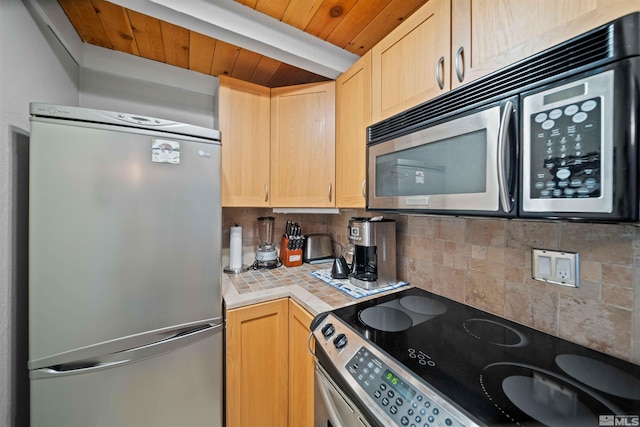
[(490, 34), (303, 145), (353, 115), (244, 117), (412, 64)]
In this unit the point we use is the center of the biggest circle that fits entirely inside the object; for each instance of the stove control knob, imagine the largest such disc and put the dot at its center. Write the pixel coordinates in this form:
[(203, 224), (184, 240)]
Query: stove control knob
[(328, 330), (340, 341)]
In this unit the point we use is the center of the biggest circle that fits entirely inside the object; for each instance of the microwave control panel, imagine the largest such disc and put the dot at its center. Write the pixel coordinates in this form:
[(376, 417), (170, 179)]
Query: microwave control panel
[(567, 151)]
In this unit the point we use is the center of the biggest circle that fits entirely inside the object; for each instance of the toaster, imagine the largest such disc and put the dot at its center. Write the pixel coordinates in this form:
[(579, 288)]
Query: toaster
[(317, 247)]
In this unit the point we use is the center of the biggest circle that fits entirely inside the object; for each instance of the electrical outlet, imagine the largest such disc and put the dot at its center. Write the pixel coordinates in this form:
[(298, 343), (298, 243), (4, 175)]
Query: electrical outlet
[(562, 268)]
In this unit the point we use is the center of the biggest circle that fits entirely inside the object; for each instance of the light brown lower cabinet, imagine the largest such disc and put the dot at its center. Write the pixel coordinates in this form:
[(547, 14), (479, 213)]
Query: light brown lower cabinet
[(269, 369), (301, 367)]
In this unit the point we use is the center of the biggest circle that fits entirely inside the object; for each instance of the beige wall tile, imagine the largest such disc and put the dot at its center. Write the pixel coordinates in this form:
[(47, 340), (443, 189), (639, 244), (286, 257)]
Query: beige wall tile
[(514, 273), (617, 296), (590, 270), (485, 292), (449, 282), (532, 234), (609, 244), (479, 252), (596, 325), (536, 308), (422, 226), (618, 275), (486, 232), (452, 229)]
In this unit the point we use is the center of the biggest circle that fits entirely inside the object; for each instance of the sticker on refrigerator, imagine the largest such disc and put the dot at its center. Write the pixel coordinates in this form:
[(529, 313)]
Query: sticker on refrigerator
[(165, 151)]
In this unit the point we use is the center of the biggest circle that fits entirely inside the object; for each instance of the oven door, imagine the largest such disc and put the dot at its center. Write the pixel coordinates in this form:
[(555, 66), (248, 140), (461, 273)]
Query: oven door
[(464, 165), (332, 408)]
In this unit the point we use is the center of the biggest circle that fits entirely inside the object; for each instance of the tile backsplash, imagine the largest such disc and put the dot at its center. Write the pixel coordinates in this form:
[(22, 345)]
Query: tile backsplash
[(486, 263)]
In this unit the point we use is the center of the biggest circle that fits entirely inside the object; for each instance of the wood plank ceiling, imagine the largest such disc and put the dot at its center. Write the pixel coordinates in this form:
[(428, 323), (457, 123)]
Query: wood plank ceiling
[(354, 25)]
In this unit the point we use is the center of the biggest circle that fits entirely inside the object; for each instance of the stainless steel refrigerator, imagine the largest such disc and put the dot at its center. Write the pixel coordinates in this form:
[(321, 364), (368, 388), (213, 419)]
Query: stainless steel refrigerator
[(125, 310)]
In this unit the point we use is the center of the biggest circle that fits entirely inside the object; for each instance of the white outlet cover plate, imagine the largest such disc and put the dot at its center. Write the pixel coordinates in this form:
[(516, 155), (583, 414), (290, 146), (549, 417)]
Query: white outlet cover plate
[(561, 268)]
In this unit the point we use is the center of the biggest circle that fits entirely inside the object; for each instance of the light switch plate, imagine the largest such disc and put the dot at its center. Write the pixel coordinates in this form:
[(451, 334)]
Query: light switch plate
[(561, 268)]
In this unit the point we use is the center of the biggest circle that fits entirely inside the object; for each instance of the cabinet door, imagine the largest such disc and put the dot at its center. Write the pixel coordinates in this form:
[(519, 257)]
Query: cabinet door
[(412, 64), (353, 115), (244, 116), (301, 367), (490, 34), (303, 145), (257, 342)]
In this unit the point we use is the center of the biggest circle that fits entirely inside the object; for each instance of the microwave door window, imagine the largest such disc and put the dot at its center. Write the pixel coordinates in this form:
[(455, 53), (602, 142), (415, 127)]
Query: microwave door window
[(455, 165)]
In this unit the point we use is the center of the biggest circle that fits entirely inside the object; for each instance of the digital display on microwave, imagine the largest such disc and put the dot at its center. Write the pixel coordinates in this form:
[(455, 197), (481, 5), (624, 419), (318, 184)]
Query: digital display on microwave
[(456, 165), (563, 94)]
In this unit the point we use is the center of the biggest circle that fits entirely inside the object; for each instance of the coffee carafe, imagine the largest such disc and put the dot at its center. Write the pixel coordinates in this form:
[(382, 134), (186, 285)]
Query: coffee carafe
[(374, 257)]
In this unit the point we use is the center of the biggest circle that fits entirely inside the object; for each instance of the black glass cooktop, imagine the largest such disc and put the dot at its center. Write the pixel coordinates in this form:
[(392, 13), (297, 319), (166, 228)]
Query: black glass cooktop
[(499, 371)]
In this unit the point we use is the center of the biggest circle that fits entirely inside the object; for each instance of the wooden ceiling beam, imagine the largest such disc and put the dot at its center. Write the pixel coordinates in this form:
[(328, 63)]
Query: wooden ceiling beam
[(242, 26)]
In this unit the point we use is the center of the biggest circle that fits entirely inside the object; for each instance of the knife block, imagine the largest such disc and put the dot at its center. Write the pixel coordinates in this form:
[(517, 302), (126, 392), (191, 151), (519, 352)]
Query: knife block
[(290, 257)]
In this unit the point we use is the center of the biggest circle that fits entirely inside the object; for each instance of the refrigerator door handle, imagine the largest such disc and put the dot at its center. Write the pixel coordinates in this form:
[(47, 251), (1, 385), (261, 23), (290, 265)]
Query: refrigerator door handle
[(181, 339)]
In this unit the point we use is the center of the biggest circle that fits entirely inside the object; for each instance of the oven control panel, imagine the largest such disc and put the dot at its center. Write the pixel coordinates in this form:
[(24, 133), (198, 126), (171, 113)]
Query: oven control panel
[(380, 384), (403, 403)]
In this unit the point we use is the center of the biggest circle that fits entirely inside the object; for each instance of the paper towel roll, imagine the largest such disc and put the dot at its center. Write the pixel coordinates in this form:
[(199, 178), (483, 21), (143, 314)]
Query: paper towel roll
[(235, 249)]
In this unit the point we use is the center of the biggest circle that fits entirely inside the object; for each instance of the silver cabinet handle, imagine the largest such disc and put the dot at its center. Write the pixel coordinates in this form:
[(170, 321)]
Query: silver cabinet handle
[(440, 72), (266, 192), (309, 345), (503, 136), (459, 61), (363, 188), (330, 188)]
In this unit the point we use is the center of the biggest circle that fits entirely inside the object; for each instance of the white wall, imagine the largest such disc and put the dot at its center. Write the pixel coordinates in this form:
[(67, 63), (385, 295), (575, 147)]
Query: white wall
[(116, 81), (33, 67), (107, 91)]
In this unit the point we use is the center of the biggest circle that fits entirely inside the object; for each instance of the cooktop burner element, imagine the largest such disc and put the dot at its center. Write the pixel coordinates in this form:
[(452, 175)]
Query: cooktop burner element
[(547, 397), (495, 333), (423, 305), (600, 376), (484, 370), (385, 319), (553, 405)]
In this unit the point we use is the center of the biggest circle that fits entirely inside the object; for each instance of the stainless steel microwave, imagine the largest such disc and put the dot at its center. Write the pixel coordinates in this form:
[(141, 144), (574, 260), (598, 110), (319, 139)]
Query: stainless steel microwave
[(552, 136), (464, 164)]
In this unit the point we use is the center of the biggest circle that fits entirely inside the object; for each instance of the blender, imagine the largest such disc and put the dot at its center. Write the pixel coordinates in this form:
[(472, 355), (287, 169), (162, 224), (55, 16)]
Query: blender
[(266, 255)]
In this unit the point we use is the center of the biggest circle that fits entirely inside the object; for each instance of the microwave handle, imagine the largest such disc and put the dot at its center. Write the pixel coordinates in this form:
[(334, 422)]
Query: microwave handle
[(506, 200)]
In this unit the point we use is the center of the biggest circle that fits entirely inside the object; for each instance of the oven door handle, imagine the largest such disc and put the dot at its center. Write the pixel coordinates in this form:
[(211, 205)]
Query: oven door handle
[(506, 201)]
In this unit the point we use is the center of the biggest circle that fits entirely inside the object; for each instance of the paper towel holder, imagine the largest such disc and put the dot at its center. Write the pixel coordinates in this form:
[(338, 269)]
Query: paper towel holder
[(243, 267), (230, 270)]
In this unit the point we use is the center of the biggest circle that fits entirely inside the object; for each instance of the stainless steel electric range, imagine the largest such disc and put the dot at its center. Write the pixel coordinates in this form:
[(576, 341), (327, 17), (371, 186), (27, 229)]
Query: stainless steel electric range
[(417, 359)]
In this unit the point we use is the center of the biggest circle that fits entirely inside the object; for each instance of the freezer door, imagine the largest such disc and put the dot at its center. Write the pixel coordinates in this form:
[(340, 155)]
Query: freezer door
[(120, 244), (182, 387)]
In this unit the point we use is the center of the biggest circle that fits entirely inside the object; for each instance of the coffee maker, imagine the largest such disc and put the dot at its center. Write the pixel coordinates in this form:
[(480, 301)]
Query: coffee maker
[(374, 257)]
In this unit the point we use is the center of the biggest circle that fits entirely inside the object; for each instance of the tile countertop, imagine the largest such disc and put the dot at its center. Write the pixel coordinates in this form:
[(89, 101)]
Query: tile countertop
[(256, 286)]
